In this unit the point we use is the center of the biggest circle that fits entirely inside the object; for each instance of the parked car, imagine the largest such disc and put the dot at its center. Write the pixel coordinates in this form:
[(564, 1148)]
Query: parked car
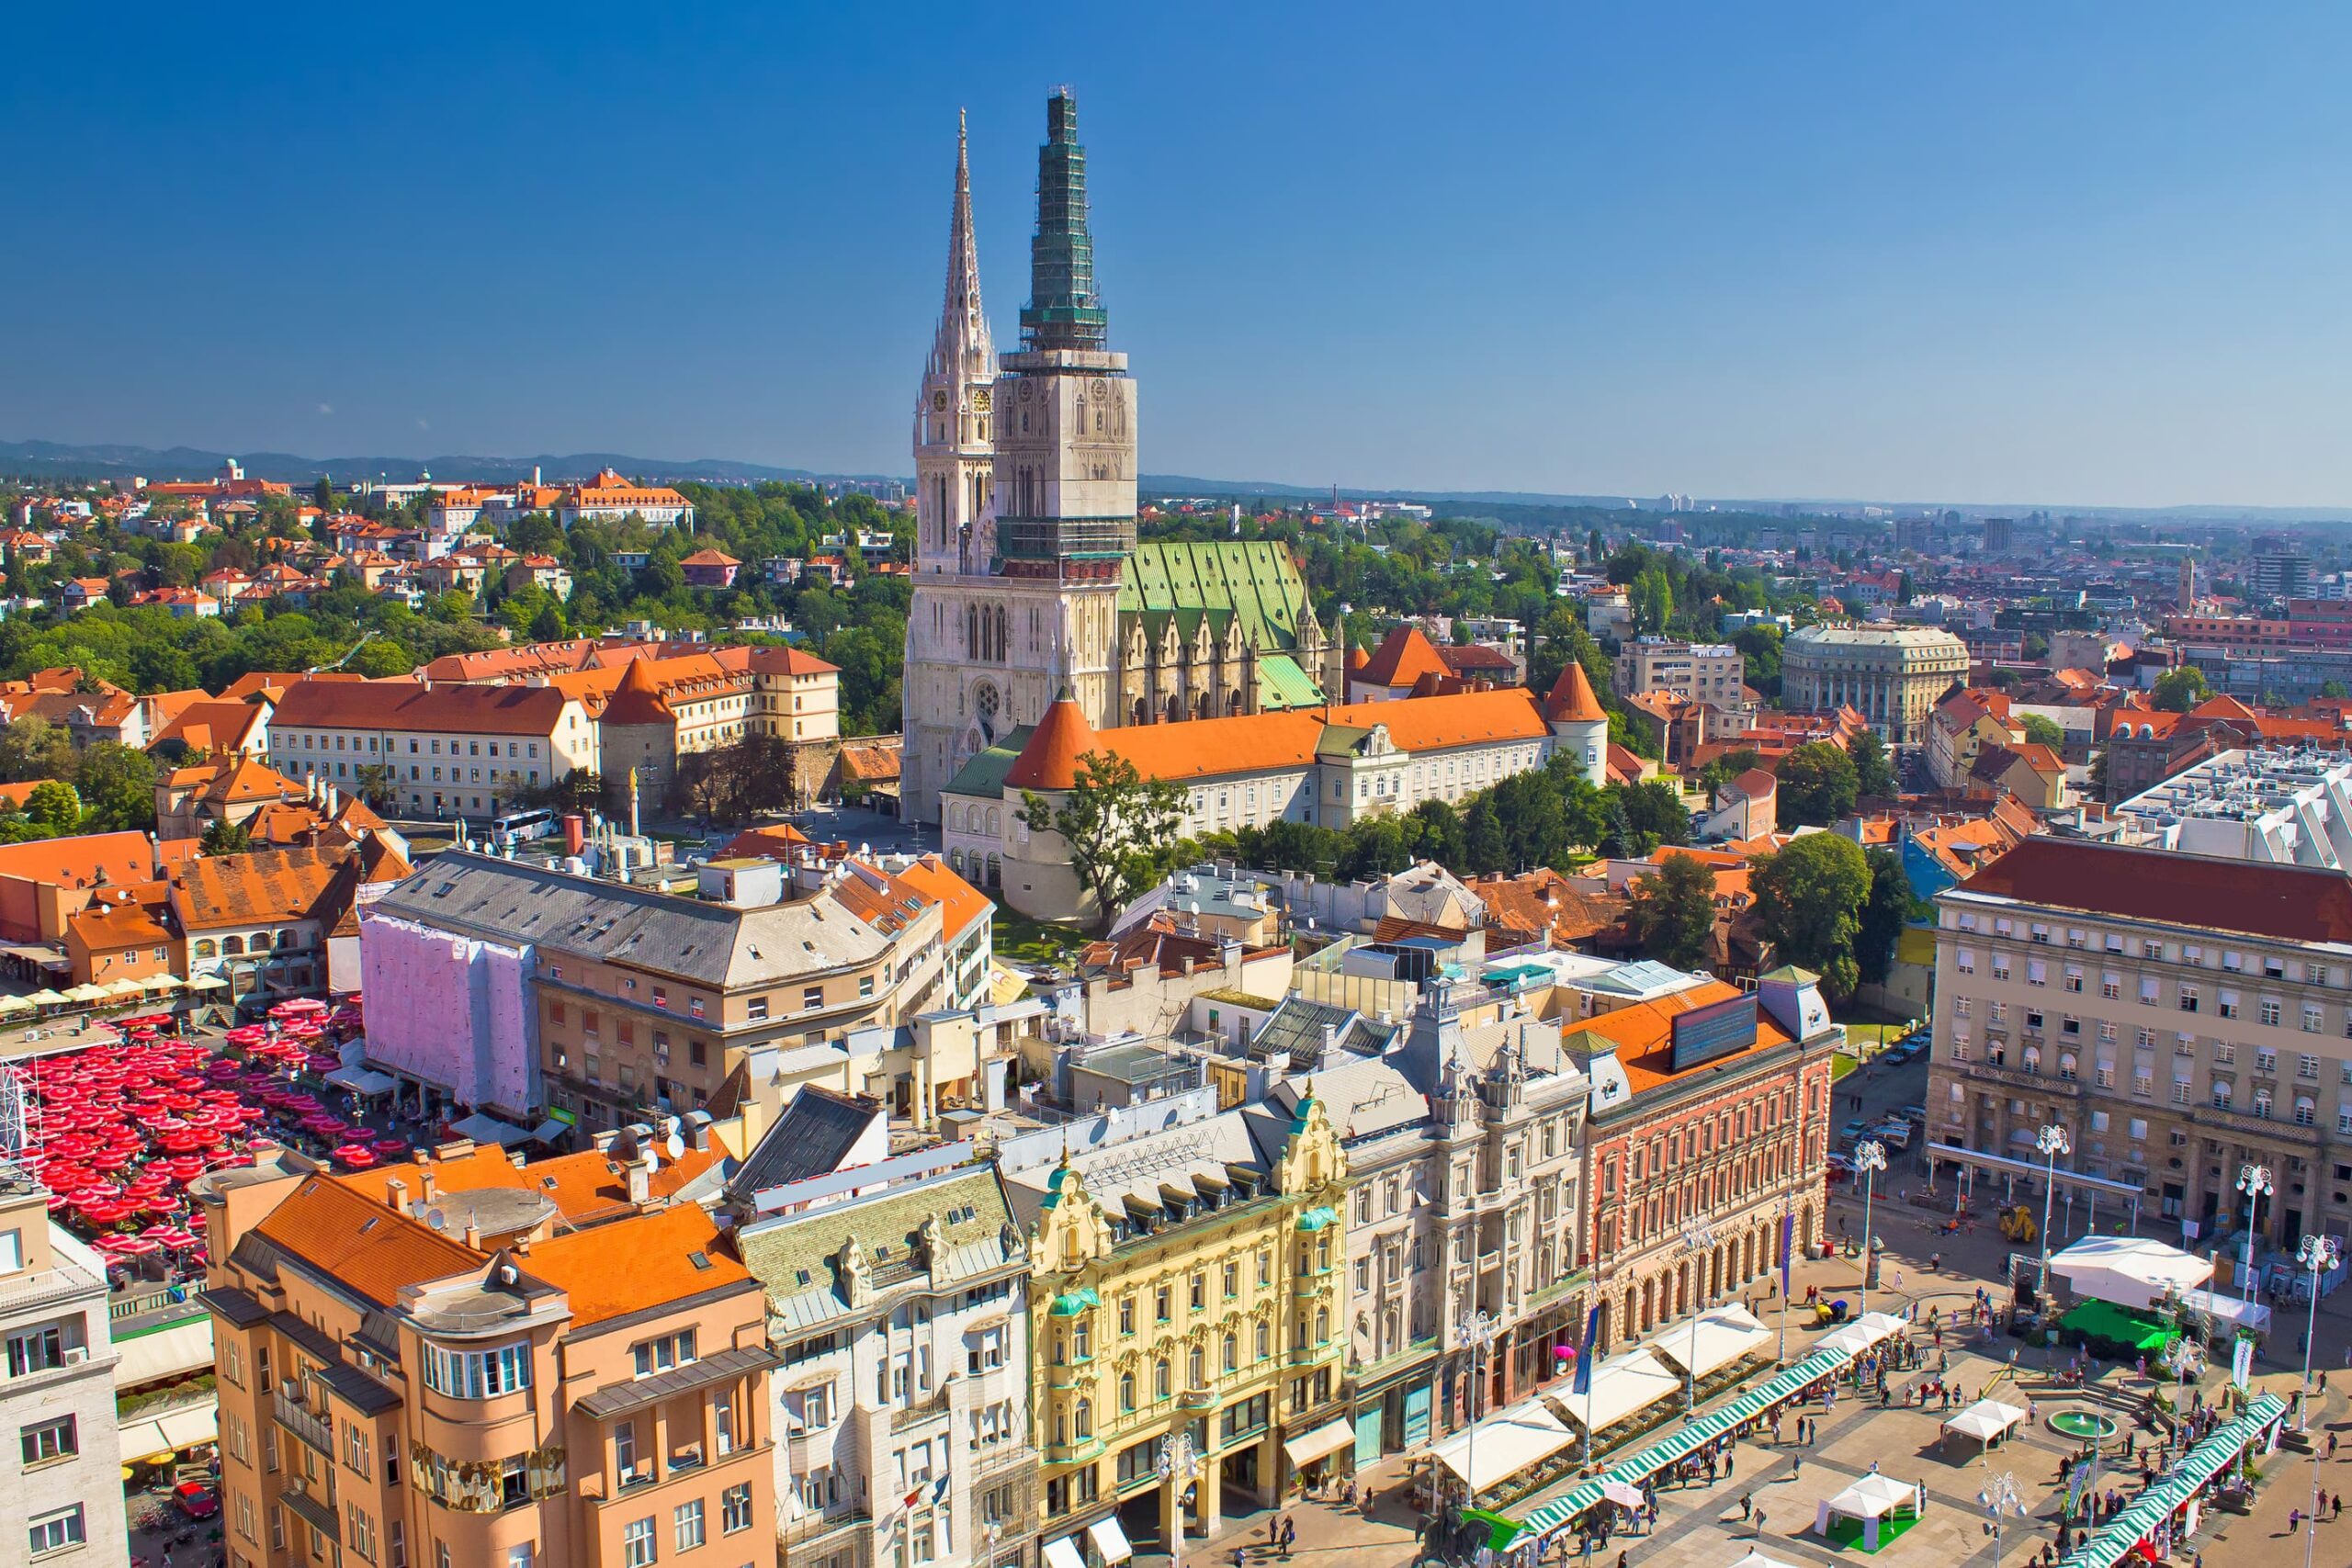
[(1853, 1129), (196, 1500)]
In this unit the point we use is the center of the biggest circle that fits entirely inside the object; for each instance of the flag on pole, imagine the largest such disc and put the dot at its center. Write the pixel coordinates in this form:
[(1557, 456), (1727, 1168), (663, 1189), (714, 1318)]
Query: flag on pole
[(1584, 1353), (1788, 1245)]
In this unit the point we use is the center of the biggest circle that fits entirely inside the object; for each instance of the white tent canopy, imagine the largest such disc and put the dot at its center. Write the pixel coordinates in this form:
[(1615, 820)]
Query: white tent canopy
[(1723, 1335), (1634, 1380), (1502, 1445), (1986, 1420), (2228, 1310), (485, 1129), (1862, 1334), (1870, 1499), (2128, 1270), (1758, 1560)]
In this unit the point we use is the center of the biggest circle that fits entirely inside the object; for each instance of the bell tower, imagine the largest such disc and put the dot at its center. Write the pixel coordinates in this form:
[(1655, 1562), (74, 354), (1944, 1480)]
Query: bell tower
[(953, 451)]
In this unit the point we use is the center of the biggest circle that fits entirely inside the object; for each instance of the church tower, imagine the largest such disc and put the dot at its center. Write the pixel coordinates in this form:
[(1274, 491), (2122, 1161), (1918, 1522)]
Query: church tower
[(953, 456), (1026, 502)]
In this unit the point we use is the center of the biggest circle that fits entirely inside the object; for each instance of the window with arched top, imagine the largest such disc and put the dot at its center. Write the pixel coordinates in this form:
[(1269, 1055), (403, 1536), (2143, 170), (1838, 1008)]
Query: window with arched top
[(231, 946), (1085, 1419), (207, 948)]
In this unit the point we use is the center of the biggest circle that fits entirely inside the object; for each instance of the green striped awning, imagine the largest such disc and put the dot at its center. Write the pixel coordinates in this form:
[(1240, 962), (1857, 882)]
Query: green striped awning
[(2114, 1542), (1648, 1462)]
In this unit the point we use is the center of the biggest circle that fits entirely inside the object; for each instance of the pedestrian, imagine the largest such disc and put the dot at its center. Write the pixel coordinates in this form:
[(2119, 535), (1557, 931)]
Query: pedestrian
[(2335, 1508), (1746, 1509), (1759, 1522), (1240, 1556), (1622, 1558), (1273, 1532), (2294, 1520), (1727, 1459), (2331, 1445)]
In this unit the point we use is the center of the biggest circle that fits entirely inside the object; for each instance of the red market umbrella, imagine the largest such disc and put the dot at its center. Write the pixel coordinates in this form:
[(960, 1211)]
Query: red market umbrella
[(390, 1148), (359, 1156)]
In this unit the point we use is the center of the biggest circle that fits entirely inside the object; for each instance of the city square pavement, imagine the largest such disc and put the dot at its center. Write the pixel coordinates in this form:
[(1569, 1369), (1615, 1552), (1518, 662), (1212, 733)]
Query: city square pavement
[(1701, 1526)]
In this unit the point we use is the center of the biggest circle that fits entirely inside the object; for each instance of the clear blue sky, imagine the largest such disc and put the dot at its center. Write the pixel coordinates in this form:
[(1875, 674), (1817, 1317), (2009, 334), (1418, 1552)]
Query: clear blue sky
[(2088, 253)]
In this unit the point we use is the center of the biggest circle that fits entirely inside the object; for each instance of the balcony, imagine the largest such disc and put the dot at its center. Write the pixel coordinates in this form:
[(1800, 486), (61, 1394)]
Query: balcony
[(290, 1411), (2283, 1128), (1197, 1398), (2039, 1083), (807, 1529)]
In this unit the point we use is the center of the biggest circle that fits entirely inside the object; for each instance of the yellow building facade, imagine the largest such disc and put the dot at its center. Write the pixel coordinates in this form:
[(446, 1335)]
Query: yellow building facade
[(1189, 1340)]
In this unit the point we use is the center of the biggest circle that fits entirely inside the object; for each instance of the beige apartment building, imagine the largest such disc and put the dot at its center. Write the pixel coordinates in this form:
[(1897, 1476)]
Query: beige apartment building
[(2180, 1016), (1893, 676), (1712, 673), (485, 1368), (64, 1472)]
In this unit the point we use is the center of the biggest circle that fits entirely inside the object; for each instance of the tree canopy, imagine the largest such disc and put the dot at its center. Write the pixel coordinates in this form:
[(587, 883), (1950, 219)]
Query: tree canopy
[(1818, 785), (1672, 911), (1809, 899)]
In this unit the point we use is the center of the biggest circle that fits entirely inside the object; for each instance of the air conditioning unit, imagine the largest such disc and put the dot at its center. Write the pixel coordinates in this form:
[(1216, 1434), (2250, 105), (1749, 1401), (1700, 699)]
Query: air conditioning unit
[(76, 1354)]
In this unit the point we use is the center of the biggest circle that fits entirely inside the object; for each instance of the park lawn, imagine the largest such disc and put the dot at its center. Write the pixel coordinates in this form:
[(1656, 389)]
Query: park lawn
[(1026, 940), (1841, 1064)]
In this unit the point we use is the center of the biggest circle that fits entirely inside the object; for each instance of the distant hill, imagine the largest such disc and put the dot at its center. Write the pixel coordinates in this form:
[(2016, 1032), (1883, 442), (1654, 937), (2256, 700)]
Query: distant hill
[(52, 459)]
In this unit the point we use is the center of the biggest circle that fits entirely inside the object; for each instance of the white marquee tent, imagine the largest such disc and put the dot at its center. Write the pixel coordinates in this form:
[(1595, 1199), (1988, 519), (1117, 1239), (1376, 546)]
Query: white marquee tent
[(1723, 1335), (1987, 1421), (1870, 1499), (1862, 1334), (1758, 1560), (1634, 1380), (2127, 1270), (1502, 1445), (2228, 1311)]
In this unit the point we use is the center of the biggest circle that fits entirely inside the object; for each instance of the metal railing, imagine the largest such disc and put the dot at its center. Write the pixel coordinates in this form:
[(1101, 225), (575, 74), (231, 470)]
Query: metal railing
[(316, 1430)]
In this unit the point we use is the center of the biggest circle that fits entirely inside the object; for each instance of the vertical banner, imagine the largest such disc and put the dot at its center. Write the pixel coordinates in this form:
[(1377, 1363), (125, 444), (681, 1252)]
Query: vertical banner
[(1585, 1351), (1788, 1243)]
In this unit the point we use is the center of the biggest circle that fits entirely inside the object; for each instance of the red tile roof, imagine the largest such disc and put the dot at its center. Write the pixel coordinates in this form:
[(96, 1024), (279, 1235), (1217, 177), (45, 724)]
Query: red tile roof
[(362, 1244), (411, 705), (637, 1264), (1403, 657), (83, 860), (1644, 1034), (964, 902), (2285, 902), (1573, 700)]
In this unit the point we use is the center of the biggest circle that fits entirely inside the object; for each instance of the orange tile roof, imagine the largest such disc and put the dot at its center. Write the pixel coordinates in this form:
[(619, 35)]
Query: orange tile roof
[(710, 557), (1573, 700), (81, 861), (639, 1263), (585, 1188), (775, 841), (638, 699), (931, 877), (134, 919), (265, 886), (361, 1244), (1403, 657), (1205, 748), (1644, 1034), (411, 705)]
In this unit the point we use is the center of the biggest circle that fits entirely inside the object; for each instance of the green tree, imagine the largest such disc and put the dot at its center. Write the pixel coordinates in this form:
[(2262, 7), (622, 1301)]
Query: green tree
[(1888, 909), (53, 807), (1759, 645), (1672, 911), (1654, 813), (2043, 732), (226, 838), (2178, 691), (1486, 849), (1119, 827), (1727, 767), (2099, 774), (1653, 597), (1818, 785), (1809, 900), (2334, 690), (1437, 832), (1873, 774), (32, 748), (119, 781), (323, 494)]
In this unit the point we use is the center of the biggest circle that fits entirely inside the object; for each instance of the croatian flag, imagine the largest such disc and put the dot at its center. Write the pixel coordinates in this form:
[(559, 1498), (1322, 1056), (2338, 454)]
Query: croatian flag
[(1584, 1354), (1788, 1243)]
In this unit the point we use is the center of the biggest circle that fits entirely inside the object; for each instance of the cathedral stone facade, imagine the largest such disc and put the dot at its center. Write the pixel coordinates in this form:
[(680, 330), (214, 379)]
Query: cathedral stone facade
[(1029, 583)]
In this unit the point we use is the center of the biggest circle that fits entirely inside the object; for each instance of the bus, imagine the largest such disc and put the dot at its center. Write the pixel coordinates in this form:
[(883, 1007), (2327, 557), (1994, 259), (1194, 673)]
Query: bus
[(515, 827)]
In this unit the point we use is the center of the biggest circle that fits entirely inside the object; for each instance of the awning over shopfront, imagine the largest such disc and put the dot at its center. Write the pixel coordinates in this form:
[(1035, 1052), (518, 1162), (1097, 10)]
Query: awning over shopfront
[(484, 1129), (1723, 1335), (1327, 1438), (1633, 1382), (1502, 1445), (2121, 1537), (1110, 1541), (363, 1081), (182, 1350), (1064, 1553), (159, 1439)]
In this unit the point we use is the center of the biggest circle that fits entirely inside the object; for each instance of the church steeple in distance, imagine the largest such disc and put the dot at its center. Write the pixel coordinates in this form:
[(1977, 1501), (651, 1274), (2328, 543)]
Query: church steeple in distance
[(1062, 312), (961, 350)]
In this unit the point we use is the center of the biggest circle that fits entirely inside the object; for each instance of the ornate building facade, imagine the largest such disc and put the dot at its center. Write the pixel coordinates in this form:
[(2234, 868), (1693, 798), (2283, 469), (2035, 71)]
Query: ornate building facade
[(1028, 580)]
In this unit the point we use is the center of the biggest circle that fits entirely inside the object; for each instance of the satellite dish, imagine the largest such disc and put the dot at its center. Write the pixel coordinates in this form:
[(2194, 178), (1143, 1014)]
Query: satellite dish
[(674, 1146), (652, 1161)]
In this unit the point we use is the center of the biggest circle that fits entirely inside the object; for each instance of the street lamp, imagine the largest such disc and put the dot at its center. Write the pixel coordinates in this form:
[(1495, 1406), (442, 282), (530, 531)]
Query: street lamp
[(1475, 1334), (1180, 1465), (1698, 1238), (2052, 1142), (1870, 1158), (2320, 1254), (2253, 1181), (1999, 1499)]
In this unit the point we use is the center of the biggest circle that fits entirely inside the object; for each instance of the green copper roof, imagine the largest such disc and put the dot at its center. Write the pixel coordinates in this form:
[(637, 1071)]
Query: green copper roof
[(1069, 1304), (1315, 1219), (1286, 685), (1253, 580), (983, 772), (1062, 312)]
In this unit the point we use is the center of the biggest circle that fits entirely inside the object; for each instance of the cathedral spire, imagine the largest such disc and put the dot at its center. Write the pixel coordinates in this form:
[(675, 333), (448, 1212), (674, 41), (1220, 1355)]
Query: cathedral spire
[(1062, 312), (962, 349)]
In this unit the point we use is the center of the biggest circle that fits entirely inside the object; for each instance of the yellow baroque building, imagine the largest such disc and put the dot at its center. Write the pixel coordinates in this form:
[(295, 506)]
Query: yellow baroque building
[(1190, 1335)]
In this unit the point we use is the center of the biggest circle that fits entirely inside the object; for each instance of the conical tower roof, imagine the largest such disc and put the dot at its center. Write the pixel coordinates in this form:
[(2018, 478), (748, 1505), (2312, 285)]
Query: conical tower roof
[(1063, 310), (1572, 700), (639, 699), (1050, 759)]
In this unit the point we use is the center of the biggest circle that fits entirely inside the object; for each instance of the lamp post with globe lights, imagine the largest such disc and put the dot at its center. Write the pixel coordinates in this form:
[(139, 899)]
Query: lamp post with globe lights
[(2253, 1181), (1476, 1333), (1870, 1158), (2000, 1500), (2052, 1142), (1698, 1240), (2319, 1254), (1180, 1466)]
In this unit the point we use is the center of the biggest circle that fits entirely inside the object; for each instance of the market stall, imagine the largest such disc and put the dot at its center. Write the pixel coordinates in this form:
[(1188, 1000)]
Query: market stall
[(1987, 1421), (1875, 1510)]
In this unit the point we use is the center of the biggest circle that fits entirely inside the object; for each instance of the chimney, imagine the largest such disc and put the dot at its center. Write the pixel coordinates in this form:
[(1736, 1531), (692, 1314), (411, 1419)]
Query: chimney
[(473, 1234), (640, 1175), (396, 1195), (424, 1172)]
